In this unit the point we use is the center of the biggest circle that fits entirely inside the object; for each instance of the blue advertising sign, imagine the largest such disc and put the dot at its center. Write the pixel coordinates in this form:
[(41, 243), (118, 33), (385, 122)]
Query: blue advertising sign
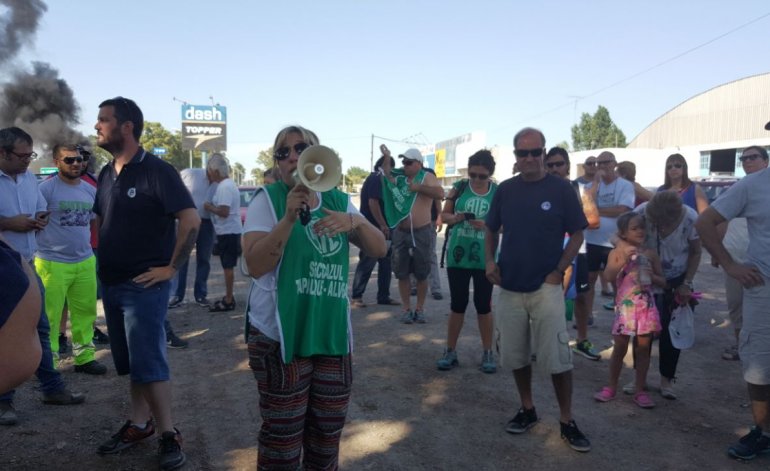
[(204, 127)]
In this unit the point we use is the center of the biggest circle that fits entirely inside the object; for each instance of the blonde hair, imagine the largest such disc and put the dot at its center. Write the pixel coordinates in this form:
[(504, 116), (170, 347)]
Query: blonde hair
[(308, 136), (627, 170)]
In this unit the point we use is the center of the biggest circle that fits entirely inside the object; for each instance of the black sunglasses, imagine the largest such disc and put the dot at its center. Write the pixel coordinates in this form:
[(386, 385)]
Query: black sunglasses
[(521, 153), (408, 162), (670, 166), (72, 160), (751, 157), (283, 152), (556, 164), (589, 164), (30, 156), (478, 176)]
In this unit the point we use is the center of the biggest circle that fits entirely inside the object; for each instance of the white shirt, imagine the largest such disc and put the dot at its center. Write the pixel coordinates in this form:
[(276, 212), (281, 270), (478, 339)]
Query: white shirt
[(227, 194), (618, 193), (263, 311)]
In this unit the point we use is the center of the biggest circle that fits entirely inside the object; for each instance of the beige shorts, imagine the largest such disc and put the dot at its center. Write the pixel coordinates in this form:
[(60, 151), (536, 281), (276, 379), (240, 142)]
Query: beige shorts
[(734, 298), (531, 325), (754, 341)]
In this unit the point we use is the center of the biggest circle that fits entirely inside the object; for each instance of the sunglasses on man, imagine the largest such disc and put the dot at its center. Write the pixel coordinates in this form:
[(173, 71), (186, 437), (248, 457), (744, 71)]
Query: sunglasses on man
[(408, 162), (283, 152), (589, 164), (749, 157), (72, 160), (521, 153)]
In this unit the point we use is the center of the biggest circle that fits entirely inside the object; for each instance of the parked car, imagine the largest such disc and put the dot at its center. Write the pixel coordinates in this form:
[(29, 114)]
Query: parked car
[(247, 193), (714, 186)]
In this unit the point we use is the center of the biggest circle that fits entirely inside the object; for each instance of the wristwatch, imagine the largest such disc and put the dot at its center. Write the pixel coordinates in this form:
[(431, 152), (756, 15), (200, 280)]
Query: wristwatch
[(688, 283)]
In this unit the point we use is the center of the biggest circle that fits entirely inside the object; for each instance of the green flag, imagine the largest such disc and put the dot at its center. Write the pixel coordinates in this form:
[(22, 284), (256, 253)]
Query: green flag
[(396, 197)]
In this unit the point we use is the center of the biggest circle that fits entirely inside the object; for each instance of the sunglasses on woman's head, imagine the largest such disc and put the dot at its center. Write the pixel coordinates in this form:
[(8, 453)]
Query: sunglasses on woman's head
[(478, 176), (670, 166), (283, 152)]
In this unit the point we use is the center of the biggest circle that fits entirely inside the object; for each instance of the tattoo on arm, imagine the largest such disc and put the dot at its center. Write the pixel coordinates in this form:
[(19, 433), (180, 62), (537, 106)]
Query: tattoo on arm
[(184, 252)]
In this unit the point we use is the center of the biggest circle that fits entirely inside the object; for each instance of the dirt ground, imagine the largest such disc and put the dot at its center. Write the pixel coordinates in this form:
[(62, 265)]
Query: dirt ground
[(404, 414)]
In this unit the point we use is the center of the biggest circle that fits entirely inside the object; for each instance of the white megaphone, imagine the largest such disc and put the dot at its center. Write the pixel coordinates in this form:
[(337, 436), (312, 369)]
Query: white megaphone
[(318, 168)]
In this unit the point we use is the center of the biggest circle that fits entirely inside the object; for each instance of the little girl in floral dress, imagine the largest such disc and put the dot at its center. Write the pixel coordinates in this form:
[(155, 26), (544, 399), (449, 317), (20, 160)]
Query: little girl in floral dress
[(635, 269)]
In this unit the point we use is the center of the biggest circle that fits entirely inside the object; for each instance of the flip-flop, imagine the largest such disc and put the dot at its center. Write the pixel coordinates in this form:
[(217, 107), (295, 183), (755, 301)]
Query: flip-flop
[(642, 399), (222, 306)]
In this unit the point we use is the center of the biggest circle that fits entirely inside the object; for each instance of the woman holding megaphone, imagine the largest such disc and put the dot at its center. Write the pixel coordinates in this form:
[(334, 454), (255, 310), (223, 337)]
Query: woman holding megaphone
[(296, 240)]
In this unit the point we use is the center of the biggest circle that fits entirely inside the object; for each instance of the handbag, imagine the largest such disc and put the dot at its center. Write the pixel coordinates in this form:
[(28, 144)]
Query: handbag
[(682, 327)]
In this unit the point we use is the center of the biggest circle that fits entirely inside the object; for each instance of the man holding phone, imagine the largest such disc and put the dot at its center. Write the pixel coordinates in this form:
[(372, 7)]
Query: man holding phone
[(22, 214), (65, 260)]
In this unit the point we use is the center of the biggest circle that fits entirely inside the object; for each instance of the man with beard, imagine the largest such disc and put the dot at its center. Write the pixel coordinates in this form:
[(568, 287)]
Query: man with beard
[(138, 200), (22, 214), (65, 260)]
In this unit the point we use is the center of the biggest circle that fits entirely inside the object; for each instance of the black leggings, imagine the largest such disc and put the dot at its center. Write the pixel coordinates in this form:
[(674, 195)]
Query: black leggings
[(459, 283)]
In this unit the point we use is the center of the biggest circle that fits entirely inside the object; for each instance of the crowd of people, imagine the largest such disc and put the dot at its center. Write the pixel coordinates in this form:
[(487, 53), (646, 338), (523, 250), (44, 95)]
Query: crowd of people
[(544, 239)]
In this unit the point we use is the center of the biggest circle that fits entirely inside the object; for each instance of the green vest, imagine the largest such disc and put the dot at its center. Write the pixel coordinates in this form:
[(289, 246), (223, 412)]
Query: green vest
[(466, 244), (312, 295), (396, 197)]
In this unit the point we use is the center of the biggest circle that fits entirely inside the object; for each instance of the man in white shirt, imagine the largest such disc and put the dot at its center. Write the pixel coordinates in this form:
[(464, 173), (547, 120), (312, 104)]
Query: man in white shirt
[(225, 209), (614, 196)]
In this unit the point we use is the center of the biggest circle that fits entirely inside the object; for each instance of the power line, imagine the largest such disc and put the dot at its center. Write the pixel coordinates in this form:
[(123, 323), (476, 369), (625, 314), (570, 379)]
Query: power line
[(637, 74)]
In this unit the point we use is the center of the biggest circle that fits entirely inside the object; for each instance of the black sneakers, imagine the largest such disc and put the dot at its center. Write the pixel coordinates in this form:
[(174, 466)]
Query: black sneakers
[(523, 421), (175, 342), (170, 454), (128, 435), (750, 445), (572, 434), (100, 338), (93, 367)]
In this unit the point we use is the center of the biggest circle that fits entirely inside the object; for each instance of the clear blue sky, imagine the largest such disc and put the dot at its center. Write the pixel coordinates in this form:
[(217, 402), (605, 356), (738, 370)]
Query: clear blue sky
[(349, 69)]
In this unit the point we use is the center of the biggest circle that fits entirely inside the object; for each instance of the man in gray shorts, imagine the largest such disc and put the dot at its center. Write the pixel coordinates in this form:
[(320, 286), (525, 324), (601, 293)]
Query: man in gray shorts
[(750, 199), (408, 195)]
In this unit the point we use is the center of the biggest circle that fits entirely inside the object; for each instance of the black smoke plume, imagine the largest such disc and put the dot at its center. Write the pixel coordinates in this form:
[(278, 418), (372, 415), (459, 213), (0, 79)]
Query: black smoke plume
[(38, 101)]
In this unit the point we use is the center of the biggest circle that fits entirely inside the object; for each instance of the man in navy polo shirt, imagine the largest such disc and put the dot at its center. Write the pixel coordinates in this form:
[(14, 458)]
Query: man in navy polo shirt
[(534, 210), (138, 200)]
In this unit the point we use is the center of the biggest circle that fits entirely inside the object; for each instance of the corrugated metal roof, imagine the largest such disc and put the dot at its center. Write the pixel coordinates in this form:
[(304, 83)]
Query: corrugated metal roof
[(734, 111)]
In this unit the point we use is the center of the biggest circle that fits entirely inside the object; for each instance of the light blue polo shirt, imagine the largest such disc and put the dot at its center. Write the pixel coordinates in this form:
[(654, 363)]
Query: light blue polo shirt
[(20, 196)]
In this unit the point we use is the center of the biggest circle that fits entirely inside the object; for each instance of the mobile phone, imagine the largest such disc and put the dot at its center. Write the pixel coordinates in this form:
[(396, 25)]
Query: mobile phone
[(384, 149), (469, 216), (44, 215)]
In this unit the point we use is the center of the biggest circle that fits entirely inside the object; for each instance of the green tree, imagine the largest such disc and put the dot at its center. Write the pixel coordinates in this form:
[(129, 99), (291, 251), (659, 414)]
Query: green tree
[(239, 173), (563, 144), (355, 176), (264, 160), (597, 131), (155, 135)]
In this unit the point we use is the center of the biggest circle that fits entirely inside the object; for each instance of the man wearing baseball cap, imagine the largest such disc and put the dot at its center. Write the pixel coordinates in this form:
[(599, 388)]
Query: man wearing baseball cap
[(408, 194)]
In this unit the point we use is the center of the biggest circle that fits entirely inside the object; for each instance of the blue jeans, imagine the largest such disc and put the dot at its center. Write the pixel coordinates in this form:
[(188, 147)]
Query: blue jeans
[(364, 271), (50, 379), (136, 318), (203, 246)]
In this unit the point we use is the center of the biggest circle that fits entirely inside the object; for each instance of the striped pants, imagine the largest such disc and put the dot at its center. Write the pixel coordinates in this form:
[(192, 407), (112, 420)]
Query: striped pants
[(303, 406)]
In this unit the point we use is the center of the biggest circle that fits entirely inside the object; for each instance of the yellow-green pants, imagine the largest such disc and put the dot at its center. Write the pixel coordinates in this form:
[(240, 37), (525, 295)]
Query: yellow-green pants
[(74, 283)]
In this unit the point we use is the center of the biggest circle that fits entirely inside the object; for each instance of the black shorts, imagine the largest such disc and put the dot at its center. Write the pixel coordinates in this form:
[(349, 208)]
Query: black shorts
[(581, 274), (229, 249), (597, 257)]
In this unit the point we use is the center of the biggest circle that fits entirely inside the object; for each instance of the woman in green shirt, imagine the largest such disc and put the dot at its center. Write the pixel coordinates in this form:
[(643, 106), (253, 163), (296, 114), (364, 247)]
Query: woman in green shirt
[(464, 210)]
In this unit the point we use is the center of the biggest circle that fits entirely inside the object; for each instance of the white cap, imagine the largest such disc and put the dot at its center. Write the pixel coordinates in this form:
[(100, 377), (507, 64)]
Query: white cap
[(412, 154)]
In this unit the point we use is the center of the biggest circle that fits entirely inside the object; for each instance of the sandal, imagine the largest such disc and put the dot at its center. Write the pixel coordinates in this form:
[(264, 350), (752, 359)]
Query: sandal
[(642, 399), (605, 395), (222, 305)]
